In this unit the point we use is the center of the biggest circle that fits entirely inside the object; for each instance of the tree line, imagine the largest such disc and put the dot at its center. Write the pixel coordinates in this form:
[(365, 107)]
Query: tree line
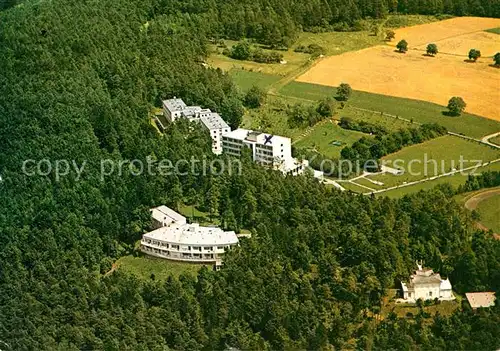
[(78, 82)]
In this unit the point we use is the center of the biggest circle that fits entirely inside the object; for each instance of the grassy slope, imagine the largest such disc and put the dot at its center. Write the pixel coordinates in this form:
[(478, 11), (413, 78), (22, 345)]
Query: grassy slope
[(246, 79), (144, 266), (495, 140), (446, 150), (419, 111), (324, 134), (489, 210), (454, 180)]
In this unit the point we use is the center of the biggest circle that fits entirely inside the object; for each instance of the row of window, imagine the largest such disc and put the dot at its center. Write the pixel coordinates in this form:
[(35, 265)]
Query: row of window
[(183, 255), (189, 248)]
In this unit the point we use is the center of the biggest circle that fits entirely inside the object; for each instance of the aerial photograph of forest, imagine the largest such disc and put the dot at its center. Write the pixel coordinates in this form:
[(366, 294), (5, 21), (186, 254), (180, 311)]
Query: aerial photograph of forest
[(242, 175)]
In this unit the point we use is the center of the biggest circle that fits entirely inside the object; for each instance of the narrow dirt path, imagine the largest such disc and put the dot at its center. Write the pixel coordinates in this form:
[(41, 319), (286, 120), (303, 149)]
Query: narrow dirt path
[(474, 200), (114, 266), (487, 138)]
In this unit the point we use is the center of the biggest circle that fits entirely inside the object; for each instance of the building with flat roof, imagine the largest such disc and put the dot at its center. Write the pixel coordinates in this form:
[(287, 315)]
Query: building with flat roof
[(216, 126), (179, 241), (481, 299), (268, 150), (176, 108), (426, 285), (164, 216)]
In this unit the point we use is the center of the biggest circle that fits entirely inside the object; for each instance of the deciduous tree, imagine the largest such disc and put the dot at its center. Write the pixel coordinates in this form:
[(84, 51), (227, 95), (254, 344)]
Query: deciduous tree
[(456, 105), (344, 92), (432, 49), (402, 46)]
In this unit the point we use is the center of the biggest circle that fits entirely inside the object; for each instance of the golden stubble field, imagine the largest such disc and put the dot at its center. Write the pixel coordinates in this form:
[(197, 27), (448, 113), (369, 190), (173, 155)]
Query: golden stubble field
[(412, 75), (454, 36)]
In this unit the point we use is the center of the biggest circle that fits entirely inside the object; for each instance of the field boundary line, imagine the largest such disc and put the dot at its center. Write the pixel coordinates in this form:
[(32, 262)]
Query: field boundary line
[(432, 178), (483, 141)]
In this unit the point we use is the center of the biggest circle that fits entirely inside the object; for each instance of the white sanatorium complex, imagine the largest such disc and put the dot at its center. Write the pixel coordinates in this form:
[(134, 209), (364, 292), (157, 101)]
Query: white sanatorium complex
[(269, 150), (426, 285), (216, 126), (175, 239)]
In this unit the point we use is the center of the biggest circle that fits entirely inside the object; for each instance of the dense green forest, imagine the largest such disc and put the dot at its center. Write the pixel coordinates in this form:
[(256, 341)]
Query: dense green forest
[(77, 81)]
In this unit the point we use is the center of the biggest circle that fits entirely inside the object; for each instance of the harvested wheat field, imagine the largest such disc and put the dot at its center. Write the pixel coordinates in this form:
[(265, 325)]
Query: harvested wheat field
[(412, 75), (454, 36), (488, 43)]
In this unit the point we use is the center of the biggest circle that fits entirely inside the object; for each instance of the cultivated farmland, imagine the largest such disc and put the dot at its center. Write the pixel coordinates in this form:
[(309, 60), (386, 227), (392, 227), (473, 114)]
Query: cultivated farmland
[(454, 36), (413, 75), (381, 70)]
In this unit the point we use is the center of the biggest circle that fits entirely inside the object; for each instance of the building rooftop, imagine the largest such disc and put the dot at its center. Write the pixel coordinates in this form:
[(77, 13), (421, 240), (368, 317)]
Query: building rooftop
[(270, 139), (481, 299), (166, 214), (174, 104), (193, 234), (191, 111), (239, 134), (426, 276), (257, 137), (214, 121)]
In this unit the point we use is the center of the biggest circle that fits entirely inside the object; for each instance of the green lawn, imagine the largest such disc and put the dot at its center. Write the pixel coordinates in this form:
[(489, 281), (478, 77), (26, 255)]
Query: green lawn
[(489, 210), (454, 180), (144, 266), (336, 43), (195, 215), (402, 310), (389, 123), (246, 79), (418, 111), (495, 140), (398, 21), (322, 136), (493, 30), (445, 150), (294, 60), (366, 182), (353, 187)]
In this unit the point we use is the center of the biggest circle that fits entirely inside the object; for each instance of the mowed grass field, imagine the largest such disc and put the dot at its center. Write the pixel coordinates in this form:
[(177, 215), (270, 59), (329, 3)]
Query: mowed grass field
[(489, 210), (144, 266), (434, 157), (322, 136), (418, 111), (495, 140), (454, 180), (247, 79)]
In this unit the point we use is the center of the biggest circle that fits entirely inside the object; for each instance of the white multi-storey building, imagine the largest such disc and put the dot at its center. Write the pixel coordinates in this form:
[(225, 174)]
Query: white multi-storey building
[(426, 285), (269, 150), (216, 126), (176, 108), (179, 241)]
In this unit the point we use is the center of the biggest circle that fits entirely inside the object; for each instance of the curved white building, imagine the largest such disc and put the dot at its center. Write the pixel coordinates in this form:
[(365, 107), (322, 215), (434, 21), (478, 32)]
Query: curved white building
[(179, 241)]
